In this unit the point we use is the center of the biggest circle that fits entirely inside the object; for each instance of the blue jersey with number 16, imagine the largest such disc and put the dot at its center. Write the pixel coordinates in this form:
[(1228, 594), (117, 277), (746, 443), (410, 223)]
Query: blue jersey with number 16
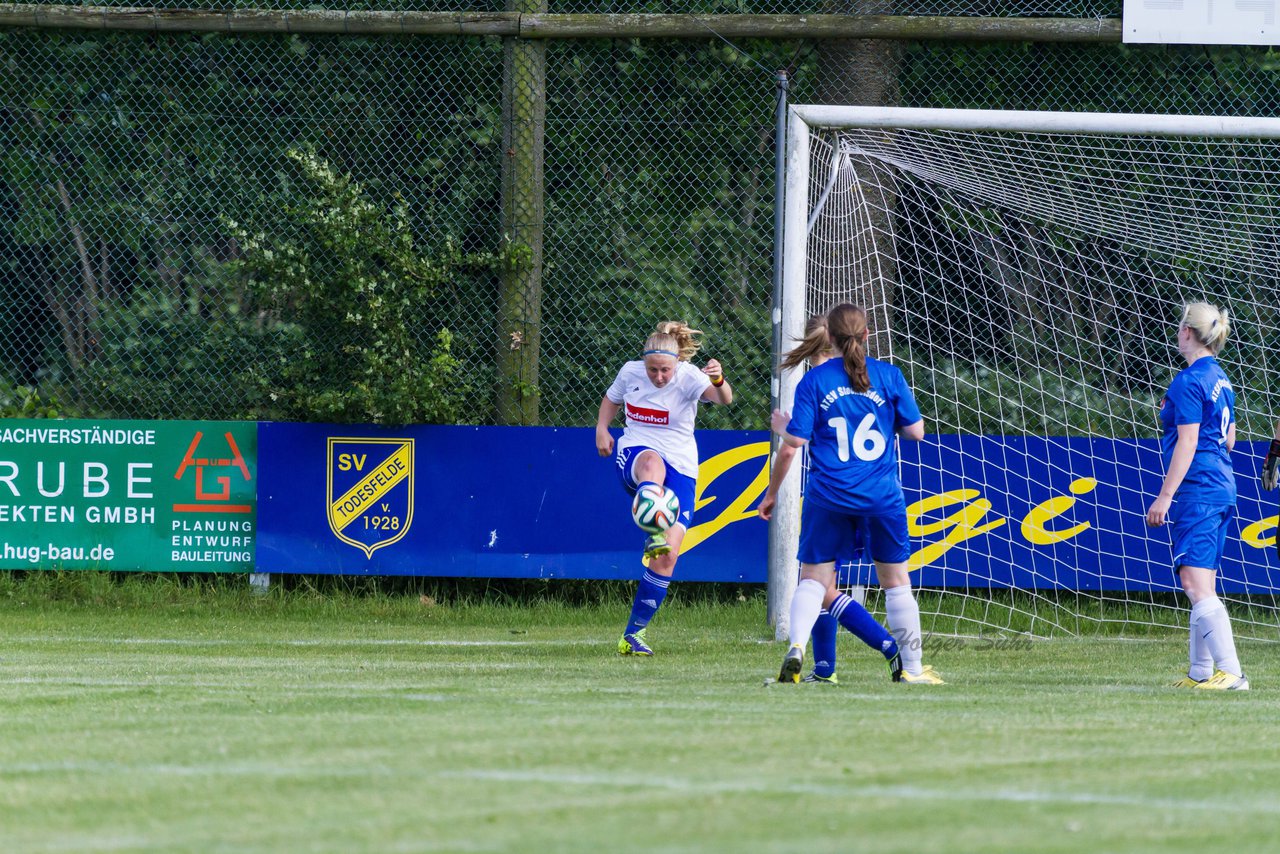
[(853, 460)]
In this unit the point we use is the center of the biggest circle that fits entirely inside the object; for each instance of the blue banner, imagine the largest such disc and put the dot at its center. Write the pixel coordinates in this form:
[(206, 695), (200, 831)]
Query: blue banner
[(1033, 512), (491, 502), (531, 502)]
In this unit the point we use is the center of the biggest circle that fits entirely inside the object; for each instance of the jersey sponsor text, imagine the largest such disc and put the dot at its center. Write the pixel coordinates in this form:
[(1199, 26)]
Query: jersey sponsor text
[(643, 415)]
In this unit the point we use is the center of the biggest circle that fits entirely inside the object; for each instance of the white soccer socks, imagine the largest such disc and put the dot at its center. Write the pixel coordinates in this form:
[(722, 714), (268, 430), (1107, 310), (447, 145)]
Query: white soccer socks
[(902, 613), (806, 604), (1201, 662), (1209, 619)]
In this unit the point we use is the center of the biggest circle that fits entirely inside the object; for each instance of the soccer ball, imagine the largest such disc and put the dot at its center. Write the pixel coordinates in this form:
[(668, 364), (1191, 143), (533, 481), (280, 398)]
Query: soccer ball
[(655, 508)]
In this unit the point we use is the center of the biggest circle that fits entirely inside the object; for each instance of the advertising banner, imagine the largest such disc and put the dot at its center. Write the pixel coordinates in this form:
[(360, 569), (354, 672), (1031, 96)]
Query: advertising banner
[(538, 502), (490, 502), (529, 502), (1200, 22), (128, 495), (1065, 513)]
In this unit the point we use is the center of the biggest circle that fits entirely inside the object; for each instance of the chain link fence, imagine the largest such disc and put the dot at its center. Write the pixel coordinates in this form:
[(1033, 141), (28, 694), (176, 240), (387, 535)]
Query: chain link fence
[(178, 238)]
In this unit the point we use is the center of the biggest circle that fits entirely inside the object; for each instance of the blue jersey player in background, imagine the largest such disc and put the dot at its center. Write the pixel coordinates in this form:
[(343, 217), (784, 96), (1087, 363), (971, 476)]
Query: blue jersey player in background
[(841, 609), (848, 411), (1197, 419)]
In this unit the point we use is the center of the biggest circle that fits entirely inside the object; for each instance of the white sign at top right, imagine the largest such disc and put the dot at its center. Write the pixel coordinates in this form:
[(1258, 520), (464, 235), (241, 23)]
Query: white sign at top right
[(1201, 22)]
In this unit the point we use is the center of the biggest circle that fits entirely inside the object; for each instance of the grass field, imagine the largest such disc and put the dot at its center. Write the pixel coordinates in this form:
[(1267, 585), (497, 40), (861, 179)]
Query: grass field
[(216, 721)]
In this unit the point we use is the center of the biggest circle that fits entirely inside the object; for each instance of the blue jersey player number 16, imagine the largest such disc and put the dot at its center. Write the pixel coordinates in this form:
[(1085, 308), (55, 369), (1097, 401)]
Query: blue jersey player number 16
[(869, 443), (847, 411)]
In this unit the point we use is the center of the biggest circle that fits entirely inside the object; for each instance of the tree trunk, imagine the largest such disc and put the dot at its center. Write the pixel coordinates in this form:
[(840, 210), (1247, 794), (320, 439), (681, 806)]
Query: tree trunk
[(77, 311), (864, 72)]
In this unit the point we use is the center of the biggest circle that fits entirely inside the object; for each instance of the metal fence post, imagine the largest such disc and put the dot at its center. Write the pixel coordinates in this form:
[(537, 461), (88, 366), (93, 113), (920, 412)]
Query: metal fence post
[(778, 546)]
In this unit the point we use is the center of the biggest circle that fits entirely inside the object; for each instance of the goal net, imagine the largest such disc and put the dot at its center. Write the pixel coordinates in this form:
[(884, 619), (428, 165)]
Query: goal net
[(1027, 272)]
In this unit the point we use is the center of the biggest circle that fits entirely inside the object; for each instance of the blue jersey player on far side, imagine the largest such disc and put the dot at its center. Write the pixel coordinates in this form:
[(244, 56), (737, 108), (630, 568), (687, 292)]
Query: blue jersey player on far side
[(1197, 417), (848, 411)]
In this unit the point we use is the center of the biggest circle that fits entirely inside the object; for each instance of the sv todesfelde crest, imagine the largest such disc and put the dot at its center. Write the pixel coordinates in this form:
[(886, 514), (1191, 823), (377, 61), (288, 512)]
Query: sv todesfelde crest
[(369, 492)]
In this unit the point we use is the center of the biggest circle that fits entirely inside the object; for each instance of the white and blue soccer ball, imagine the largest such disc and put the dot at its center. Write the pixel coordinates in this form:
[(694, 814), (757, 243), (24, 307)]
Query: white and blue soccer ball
[(655, 508)]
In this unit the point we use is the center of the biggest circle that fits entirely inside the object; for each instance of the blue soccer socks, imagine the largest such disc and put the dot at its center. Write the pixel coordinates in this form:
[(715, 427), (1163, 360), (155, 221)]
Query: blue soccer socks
[(823, 637), (649, 595), (858, 620)]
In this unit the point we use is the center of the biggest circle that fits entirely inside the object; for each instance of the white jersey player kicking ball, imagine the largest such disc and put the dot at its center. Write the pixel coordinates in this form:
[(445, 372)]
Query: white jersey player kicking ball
[(659, 395)]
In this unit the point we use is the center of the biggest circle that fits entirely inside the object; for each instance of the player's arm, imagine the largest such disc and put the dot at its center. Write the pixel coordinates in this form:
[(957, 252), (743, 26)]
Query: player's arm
[(608, 412), (1271, 465), (914, 432), (718, 392), (778, 422), (906, 410), (781, 465), (1183, 452)]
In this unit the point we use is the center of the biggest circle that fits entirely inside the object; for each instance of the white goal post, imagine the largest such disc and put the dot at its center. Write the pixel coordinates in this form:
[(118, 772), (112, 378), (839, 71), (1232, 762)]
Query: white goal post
[(1026, 270)]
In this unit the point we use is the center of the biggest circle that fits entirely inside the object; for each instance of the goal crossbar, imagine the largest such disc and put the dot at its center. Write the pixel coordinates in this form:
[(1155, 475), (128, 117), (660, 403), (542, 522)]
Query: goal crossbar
[(1034, 121)]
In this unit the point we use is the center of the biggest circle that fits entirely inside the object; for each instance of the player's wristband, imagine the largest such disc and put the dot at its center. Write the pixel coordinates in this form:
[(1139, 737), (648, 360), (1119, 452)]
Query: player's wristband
[(718, 381), (1275, 449)]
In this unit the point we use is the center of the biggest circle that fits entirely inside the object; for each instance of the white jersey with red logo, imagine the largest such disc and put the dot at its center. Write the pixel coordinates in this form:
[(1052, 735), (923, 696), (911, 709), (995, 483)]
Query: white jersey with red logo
[(661, 418)]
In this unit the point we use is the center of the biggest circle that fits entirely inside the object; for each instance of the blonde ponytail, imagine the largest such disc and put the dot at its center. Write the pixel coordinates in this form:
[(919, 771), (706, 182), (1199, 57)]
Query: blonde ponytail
[(1210, 324), (674, 337)]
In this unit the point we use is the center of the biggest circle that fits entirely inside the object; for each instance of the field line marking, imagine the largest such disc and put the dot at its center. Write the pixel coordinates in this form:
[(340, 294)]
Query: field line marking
[(863, 791), (304, 642), (668, 784)]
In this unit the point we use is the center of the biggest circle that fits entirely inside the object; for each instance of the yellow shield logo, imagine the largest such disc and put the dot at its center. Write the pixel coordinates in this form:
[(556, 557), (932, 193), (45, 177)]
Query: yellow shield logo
[(369, 491)]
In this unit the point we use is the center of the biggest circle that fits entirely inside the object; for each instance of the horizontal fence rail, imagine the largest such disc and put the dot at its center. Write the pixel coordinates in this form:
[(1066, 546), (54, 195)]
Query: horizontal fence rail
[(563, 26)]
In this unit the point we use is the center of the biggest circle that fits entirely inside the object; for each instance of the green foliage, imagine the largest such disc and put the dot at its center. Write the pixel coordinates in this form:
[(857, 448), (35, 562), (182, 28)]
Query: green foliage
[(120, 157), (678, 227), (21, 401), (348, 285), (158, 360), (659, 205), (985, 397)]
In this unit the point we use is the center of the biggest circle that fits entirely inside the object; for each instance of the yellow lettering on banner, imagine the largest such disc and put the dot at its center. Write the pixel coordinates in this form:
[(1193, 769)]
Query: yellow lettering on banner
[(741, 507), (376, 484), (970, 520), (959, 526), (347, 462), (1261, 534), (1033, 526)]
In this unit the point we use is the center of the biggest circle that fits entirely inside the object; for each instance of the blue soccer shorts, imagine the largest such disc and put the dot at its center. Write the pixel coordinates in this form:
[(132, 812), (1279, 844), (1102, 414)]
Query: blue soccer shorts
[(1199, 533), (828, 535), (682, 485)]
